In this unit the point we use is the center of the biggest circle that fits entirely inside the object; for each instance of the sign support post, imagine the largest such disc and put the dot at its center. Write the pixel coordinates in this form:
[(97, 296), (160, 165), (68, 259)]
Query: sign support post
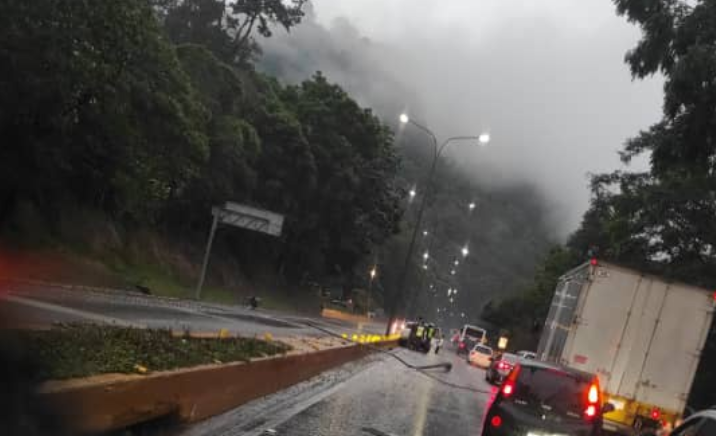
[(239, 215), (207, 253)]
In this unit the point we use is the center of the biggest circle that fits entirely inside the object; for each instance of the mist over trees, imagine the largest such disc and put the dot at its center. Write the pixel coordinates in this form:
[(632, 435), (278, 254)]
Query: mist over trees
[(508, 230)]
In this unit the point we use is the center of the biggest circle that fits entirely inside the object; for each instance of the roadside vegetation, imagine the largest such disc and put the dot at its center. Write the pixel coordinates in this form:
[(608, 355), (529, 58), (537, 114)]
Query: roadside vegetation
[(81, 350)]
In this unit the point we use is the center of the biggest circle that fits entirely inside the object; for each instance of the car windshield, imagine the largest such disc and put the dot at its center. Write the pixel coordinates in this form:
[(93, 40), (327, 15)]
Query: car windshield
[(206, 203), (510, 358), (474, 333), (560, 391)]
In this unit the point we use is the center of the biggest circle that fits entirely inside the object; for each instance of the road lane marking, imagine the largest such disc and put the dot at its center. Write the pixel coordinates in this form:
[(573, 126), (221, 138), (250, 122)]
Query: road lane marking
[(70, 311)]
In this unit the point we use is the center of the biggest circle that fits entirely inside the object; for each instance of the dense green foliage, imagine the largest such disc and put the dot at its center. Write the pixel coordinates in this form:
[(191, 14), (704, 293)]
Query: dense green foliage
[(94, 104), (661, 220), (150, 113)]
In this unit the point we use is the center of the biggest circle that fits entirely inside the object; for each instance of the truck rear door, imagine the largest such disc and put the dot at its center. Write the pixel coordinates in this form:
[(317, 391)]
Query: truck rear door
[(675, 347)]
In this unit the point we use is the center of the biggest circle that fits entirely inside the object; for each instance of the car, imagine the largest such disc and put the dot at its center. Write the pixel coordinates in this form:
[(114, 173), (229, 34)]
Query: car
[(500, 367), (539, 398), (464, 346), (531, 355), (701, 423), (480, 355)]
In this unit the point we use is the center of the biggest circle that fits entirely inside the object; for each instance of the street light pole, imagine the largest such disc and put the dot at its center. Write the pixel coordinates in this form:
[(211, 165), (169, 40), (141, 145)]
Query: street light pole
[(437, 152), (373, 272)]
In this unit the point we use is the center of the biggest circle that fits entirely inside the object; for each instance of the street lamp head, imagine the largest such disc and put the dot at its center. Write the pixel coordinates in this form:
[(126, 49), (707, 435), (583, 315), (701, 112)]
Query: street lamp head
[(404, 118), (426, 255), (412, 193), (465, 251), (471, 205), (425, 233), (373, 272), (484, 139)]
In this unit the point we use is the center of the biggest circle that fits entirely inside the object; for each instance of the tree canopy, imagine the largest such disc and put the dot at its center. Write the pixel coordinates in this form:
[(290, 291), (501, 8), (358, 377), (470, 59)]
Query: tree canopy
[(94, 104), (228, 27)]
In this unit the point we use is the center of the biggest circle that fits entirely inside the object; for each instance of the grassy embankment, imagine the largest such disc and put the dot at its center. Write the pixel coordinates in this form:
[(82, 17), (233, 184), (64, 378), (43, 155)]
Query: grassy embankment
[(165, 272)]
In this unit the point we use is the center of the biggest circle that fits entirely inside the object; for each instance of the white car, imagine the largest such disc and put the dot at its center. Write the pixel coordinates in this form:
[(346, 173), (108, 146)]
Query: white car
[(480, 355)]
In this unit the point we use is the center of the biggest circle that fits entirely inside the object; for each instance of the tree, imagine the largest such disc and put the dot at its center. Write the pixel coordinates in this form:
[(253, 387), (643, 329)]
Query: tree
[(229, 173), (95, 109), (228, 27), (660, 220), (355, 201)]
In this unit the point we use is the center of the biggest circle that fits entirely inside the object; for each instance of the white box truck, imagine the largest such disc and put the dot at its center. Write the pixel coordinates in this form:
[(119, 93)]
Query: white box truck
[(640, 334)]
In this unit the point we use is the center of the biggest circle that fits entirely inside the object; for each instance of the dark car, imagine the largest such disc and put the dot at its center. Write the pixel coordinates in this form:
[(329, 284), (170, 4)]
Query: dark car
[(541, 399), (500, 367), (699, 424)]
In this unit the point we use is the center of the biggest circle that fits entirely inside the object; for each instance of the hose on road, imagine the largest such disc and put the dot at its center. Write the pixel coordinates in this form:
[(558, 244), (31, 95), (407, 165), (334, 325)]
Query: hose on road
[(422, 369)]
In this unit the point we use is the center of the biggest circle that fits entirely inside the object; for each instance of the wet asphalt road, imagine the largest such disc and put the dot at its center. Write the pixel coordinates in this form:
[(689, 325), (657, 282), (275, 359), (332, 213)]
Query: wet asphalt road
[(33, 306), (377, 396)]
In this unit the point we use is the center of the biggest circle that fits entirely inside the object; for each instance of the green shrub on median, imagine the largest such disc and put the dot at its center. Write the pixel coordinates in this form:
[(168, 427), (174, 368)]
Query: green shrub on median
[(81, 350)]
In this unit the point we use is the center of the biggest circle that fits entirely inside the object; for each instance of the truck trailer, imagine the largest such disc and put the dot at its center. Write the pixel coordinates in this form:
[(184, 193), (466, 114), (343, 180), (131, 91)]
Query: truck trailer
[(640, 334)]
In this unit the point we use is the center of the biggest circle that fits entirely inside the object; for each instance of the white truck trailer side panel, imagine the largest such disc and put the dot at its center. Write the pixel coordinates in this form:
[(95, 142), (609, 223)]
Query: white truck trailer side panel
[(602, 314), (675, 347)]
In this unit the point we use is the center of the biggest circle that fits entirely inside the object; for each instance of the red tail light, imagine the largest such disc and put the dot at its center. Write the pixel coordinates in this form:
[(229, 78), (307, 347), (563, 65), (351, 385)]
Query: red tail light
[(508, 387), (655, 413), (593, 396), (591, 411), (593, 399), (496, 421), (503, 365)]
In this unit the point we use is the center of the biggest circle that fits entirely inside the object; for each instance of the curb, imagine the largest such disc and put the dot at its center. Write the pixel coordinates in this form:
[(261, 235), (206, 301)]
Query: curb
[(125, 295), (114, 401)]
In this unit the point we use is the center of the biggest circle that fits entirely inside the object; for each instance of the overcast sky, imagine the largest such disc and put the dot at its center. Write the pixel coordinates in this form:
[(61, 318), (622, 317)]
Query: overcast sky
[(546, 78)]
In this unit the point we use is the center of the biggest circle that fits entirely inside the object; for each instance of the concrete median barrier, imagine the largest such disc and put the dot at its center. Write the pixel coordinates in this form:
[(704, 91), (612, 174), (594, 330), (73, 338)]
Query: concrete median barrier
[(114, 401)]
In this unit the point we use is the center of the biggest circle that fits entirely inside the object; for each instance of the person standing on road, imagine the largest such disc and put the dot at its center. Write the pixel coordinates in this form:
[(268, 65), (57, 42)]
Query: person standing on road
[(419, 332), (438, 343)]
